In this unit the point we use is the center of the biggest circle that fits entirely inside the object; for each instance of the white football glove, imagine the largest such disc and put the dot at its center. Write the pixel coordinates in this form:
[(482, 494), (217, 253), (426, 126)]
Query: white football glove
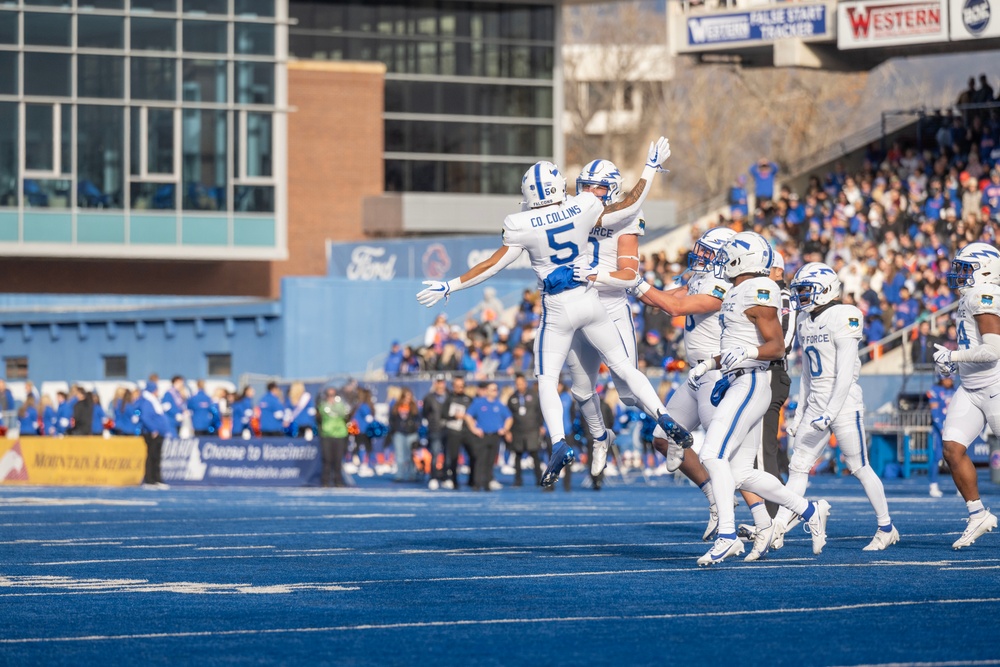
[(432, 294), (821, 423), (792, 427), (659, 151), (942, 359), (640, 287), (734, 356), (582, 270), (694, 376)]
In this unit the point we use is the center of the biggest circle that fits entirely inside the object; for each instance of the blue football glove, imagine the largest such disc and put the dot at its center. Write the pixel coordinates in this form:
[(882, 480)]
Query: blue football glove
[(432, 294)]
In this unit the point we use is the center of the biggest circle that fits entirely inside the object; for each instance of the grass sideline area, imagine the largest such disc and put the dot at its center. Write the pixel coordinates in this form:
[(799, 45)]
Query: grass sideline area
[(384, 574)]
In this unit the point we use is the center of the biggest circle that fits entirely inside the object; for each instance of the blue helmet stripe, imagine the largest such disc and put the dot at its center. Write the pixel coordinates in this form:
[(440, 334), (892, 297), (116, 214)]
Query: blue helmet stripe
[(538, 180), (593, 166)]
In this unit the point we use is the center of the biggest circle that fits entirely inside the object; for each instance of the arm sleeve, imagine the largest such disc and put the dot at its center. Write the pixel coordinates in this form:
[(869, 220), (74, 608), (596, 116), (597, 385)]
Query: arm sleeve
[(847, 350), (508, 258), (789, 320), (985, 353), (614, 218)]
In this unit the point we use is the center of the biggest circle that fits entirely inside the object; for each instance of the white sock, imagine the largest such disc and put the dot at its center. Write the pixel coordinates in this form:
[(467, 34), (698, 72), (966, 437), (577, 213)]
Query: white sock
[(975, 506), (797, 483), (769, 487), (875, 492), (590, 410), (552, 408), (724, 485), (761, 518), (706, 488)]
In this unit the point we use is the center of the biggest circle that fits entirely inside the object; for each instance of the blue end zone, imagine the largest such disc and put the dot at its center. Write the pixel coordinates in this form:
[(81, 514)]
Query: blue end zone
[(392, 575)]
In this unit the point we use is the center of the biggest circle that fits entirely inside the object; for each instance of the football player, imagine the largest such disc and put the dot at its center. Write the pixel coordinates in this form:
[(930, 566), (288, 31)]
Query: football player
[(830, 398), (554, 231), (975, 273), (751, 341)]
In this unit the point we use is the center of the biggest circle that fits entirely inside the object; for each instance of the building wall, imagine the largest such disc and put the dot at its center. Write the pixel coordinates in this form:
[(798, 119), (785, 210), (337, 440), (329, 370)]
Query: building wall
[(335, 139), (334, 161)]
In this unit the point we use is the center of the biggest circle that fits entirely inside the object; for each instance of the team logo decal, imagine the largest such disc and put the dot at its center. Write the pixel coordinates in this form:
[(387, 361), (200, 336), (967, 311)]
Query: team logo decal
[(436, 261), (764, 295), (853, 322), (976, 15), (642, 225), (986, 300), (718, 292)]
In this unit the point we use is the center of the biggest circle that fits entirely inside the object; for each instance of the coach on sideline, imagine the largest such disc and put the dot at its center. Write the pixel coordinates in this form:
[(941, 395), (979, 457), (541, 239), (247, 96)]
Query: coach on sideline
[(153, 424)]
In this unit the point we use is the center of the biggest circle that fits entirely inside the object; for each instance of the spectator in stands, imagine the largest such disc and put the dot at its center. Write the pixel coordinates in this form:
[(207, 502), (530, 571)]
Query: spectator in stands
[(991, 195), (272, 411), (98, 423), (31, 390), (650, 350), (333, 414), (205, 417), (738, 205), (489, 311), (437, 334), (27, 416), (411, 363), (243, 413), (907, 310), (83, 412), (6, 400), (174, 404), (394, 360), (967, 96), (983, 95), (764, 173), (299, 420), (922, 348), (120, 411), (404, 425), (48, 416)]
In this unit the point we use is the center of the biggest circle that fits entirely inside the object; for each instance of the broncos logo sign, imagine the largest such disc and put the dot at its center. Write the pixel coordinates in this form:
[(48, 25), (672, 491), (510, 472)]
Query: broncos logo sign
[(436, 262)]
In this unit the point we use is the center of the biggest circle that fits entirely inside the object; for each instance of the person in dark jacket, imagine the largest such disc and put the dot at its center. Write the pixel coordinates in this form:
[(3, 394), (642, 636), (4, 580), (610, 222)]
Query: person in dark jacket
[(154, 424), (456, 431), (83, 412), (527, 429), (432, 410), (205, 419), (404, 425)]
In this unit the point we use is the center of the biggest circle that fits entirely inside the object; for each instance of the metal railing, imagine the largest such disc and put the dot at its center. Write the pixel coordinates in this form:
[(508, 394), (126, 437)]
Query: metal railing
[(868, 352)]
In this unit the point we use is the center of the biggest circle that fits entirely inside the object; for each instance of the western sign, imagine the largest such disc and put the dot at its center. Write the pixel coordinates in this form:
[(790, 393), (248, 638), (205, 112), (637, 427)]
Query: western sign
[(862, 25)]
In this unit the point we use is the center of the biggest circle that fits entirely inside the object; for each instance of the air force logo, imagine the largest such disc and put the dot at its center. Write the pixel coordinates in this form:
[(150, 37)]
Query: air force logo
[(853, 322), (763, 296), (986, 300), (718, 292)]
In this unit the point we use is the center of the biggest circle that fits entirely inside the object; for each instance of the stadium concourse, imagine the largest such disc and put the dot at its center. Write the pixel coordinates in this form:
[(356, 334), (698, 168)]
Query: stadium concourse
[(380, 575)]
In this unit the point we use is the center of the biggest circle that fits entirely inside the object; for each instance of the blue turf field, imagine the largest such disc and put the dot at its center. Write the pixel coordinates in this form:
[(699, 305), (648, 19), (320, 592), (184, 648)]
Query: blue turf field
[(384, 574)]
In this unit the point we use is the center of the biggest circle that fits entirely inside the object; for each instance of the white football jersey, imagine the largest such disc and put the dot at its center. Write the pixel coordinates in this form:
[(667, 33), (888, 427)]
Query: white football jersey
[(703, 332), (554, 236), (977, 300), (737, 329), (603, 243), (818, 339)]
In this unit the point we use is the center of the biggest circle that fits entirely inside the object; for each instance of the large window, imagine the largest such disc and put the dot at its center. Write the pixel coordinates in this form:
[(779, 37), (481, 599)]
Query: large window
[(100, 76), (100, 156), (154, 78), (8, 154), (100, 32), (205, 160), (47, 74)]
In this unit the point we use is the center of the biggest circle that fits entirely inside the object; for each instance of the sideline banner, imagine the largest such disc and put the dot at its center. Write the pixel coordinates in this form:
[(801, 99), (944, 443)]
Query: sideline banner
[(763, 26), (253, 462), (73, 461), (864, 25)]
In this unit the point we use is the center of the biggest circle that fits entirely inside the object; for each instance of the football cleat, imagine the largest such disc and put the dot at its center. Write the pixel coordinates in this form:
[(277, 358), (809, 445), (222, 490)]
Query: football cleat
[(982, 522), (746, 532), (675, 457), (599, 453), (817, 525), (713, 524), (723, 548), (883, 539), (761, 543), (562, 456), (675, 431)]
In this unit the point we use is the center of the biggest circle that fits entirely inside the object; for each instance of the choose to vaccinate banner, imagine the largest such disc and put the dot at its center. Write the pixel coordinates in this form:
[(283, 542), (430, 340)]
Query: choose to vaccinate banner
[(73, 461), (253, 462)]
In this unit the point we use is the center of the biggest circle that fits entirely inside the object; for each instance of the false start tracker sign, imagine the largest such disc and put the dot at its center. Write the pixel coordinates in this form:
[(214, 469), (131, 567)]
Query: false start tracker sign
[(862, 25)]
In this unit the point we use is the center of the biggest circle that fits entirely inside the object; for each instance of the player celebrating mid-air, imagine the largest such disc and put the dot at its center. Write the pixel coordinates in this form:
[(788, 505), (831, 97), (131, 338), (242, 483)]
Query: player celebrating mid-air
[(975, 273), (554, 231), (751, 341), (699, 303), (613, 267), (830, 398)]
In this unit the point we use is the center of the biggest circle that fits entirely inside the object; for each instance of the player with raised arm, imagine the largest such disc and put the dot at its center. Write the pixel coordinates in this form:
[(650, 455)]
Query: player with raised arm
[(830, 398), (613, 265), (975, 273), (554, 231), (751, 341), (699, 303)]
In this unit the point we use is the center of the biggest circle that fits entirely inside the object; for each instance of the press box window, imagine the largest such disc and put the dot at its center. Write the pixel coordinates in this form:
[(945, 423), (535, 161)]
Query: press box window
[(220, 365), (17, 368), (115, 367)]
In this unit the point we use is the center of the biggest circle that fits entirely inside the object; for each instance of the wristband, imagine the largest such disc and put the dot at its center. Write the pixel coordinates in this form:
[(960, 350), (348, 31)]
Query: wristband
[(641, 288), (752, 352), (648, 173), (454, 284)]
